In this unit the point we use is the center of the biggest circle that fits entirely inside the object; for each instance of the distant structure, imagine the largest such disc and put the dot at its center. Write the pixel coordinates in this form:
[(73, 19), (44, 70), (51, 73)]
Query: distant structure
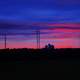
[(5, 40), (49, 46), (38, 38)]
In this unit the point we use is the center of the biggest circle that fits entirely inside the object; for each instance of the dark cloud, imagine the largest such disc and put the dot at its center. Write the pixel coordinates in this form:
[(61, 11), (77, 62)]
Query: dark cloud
[(30, 26)]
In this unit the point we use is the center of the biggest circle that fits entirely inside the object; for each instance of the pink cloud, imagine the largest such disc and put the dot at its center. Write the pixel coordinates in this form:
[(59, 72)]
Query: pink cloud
[(66, 24)]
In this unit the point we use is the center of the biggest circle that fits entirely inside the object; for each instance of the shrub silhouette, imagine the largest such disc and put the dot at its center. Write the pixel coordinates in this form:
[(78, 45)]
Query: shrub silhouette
[(49, 46)]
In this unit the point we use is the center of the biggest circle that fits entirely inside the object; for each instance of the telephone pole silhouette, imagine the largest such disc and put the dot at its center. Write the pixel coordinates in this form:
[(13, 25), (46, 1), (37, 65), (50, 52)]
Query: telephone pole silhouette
[(5, 40), (38, 38)]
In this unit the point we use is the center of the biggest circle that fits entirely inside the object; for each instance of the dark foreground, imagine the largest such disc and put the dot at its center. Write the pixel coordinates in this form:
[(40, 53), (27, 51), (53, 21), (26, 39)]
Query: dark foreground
[(40, 60)]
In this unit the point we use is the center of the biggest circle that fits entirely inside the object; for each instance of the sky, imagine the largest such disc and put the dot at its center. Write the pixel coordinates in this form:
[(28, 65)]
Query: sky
[(57, 20)]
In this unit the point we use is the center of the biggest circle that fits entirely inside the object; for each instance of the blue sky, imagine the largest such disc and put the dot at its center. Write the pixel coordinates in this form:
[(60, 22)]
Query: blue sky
[(40, 10)]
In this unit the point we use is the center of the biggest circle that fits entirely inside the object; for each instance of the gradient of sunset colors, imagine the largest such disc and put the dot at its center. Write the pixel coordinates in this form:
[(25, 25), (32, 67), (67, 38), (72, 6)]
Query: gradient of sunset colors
[(57, 20)]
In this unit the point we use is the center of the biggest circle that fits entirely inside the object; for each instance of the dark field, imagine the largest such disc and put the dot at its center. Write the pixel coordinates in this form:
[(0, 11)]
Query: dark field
[(39, 60)]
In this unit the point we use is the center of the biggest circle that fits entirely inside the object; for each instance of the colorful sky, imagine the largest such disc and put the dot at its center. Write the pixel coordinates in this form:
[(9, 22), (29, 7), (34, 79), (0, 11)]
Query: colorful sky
[(57, 20)]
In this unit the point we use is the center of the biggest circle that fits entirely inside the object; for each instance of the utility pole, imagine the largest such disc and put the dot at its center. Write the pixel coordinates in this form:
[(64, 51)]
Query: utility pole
[(5, 40), (38, 38)]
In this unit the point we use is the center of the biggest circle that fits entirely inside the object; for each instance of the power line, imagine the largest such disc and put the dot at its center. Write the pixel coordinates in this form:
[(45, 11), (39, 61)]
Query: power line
[(38, 38), (5, 40)]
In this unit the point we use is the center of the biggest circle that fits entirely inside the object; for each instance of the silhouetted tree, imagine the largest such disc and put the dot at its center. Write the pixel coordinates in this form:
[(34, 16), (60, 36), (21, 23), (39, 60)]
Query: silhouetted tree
[(49, 46)]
